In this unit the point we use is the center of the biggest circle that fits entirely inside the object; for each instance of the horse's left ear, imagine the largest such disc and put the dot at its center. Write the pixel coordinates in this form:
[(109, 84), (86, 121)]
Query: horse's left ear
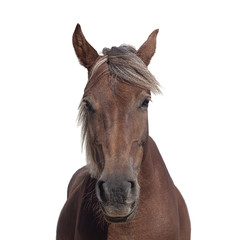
[(86, 54), (147, 50)]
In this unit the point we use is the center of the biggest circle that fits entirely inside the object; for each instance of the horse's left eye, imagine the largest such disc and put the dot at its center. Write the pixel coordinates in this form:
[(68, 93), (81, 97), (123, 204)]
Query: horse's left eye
[(145, 103)]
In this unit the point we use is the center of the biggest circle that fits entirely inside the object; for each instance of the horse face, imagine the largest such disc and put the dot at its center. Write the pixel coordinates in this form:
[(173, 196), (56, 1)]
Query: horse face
[(117, 128), (115, 123)]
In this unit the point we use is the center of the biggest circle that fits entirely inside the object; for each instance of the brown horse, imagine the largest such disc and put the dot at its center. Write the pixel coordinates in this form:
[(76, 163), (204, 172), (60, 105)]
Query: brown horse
[(125, 191)]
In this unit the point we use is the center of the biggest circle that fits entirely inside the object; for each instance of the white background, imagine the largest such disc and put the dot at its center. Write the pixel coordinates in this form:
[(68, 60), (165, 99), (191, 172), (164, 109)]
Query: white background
[(195, 122)]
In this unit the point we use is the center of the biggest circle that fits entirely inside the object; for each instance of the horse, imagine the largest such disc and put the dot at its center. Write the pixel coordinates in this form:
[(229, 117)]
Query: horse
[(125, 191)]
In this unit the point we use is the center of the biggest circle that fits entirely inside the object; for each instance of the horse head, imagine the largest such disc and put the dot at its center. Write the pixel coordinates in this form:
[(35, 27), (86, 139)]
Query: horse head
[(114, 117)]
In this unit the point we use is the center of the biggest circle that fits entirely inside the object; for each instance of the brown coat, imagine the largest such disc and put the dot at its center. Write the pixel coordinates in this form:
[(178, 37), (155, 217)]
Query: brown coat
[(161, 213)]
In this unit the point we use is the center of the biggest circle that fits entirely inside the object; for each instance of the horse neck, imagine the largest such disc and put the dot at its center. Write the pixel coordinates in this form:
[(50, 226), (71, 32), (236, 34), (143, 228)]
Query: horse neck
[(146, 174), (153, 169)]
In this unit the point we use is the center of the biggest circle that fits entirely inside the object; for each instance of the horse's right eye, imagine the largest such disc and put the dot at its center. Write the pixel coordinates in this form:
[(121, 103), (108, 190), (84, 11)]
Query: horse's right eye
[(87, 105)]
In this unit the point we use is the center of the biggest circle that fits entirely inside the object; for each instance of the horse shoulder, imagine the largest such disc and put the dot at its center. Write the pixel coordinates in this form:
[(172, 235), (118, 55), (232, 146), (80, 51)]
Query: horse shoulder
[(70, 213), (175, 205), (184, 220), (77, 179)]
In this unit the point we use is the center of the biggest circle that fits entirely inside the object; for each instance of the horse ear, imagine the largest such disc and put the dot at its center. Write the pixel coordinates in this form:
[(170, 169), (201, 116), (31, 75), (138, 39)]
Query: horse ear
[(147, 50), (86, 54)]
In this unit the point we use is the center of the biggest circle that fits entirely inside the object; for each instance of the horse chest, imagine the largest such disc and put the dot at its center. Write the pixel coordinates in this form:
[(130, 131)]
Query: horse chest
[(155, 231), (148, 225)]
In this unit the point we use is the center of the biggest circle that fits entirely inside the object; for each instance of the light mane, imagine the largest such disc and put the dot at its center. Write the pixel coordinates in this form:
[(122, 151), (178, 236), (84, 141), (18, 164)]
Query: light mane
[(123, 65)]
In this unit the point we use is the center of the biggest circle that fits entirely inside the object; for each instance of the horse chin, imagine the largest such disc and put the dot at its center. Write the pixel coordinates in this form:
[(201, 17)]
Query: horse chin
[(124, 219), (113, 215)]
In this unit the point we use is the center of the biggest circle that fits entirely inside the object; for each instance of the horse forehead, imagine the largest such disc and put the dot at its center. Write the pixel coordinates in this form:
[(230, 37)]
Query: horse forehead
[(110, 90)]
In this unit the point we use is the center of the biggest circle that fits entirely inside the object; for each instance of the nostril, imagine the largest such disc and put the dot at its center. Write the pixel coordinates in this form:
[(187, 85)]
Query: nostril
[(134, 188), (133, 205), (101, 191), (132, 184)]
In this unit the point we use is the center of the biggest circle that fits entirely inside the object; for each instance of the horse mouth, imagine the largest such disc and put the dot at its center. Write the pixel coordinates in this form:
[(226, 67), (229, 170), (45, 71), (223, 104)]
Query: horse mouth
[(124, 219), (119, 219)]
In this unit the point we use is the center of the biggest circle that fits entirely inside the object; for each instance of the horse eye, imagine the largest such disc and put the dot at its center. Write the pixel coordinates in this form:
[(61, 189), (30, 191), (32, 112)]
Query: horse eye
[(87, 105), (145, 103)]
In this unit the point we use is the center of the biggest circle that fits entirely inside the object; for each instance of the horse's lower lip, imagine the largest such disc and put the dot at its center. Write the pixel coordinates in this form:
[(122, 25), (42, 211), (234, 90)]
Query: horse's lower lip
[(120, 219)]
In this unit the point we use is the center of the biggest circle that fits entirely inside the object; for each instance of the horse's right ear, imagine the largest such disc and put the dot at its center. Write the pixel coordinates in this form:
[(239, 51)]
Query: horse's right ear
[(86, 54)]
